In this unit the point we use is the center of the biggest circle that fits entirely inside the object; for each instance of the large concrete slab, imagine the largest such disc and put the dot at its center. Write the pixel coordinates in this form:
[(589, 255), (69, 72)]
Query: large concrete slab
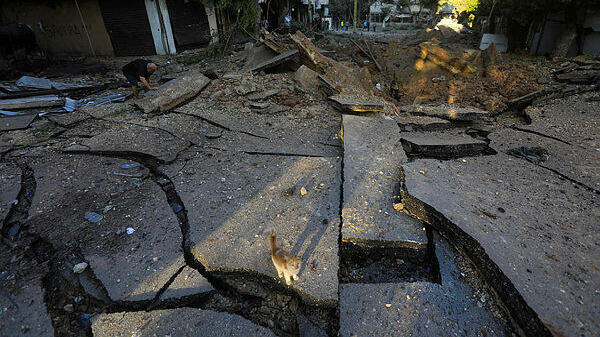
[(573, 161), (356, 104), (31, 102), (532, 235), (176, 322), (452, 308), (10, 184), (372, 158), (232, 198), (409, 123), (133, 138), (131, 266), (173, 93), (22, 308), (442, 145)]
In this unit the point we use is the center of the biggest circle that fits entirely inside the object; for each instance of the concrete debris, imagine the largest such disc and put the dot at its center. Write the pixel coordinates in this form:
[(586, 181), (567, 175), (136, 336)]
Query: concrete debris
[(173, 93), (288, 58), (449, 112), (307, 79), (351, 105)]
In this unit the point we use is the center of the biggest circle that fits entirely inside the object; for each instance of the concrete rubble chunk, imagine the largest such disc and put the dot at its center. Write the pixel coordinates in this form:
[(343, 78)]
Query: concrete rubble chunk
[(173, 93), (10, 184), (372, 158), (227, 228), (188, 282), (348, 104), (452, 308), (548, 223), (449, 112), (443, 145), (259, 96), (16, 122), (307, 79), (409, 123), (176, 322), (44, 101)]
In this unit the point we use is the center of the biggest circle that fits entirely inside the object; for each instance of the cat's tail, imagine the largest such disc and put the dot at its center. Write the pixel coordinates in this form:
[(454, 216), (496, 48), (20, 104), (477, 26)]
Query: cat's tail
[(272, 238)]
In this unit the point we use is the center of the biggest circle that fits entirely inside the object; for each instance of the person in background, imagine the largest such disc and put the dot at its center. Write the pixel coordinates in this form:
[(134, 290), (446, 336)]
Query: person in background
[(139, 71)]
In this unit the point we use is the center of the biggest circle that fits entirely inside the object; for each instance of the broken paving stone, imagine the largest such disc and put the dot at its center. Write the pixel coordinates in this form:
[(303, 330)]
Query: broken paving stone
[(536, 272), (188, 282), (32, 102), (372, 159), (174, 92), (307, 79), (356, 105), (443, 145), (449, 112), (176, 322), (288, 57), (16, 122), (10, 184)]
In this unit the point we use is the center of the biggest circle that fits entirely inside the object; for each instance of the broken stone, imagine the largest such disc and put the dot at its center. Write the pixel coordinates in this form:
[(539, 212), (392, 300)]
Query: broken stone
[(258, 105), (443, 145), (290, 56), (173, 93), (409, 123), (188, 282), (307, 79), (80, 267)]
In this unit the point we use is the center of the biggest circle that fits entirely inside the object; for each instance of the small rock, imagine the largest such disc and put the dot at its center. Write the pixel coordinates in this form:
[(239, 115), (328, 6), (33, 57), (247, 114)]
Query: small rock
[(388, 305), (79, 268), (68, 308), (129, 230), (438, 79), (303, 191)]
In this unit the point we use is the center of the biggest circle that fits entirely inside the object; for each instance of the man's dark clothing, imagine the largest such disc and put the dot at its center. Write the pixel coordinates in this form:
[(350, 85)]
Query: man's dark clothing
[(136, 69)]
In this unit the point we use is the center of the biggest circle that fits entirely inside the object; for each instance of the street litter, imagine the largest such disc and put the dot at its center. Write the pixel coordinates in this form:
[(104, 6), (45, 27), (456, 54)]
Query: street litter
[(129, 230), (93, 217)]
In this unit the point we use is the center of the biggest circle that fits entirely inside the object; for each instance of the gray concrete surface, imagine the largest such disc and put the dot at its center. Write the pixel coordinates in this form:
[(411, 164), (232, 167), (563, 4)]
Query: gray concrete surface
[(442, 144), (452, 308), (409, 123), (449, 112), (537, 228), (372, 158), (232, 198), (176, 323)]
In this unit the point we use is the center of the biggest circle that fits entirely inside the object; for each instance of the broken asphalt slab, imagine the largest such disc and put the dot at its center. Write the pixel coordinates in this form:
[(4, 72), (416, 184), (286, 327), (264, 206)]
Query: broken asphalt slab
[(16, 122), (131, 265), (372, 158), (128, 139), (232, 198), (452, 308), (548, 279), (443, 145), (287, 56), (175, 322), (188, 282), (408, 123), (173, 93), (448, 112)]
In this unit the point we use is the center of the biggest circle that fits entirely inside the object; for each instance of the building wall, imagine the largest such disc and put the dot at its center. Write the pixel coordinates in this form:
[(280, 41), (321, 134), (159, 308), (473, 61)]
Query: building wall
[(58, 28)]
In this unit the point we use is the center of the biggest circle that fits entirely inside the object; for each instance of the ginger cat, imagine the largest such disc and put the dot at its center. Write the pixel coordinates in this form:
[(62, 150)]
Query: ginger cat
[(287, 265)]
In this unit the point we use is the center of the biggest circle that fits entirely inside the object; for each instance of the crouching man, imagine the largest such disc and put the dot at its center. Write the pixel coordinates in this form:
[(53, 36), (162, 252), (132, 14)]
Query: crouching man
[(139, 71)]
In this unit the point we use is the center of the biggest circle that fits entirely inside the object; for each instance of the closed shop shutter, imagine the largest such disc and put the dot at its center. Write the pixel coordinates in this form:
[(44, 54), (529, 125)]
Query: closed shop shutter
[(189, 23), (127, 24)]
